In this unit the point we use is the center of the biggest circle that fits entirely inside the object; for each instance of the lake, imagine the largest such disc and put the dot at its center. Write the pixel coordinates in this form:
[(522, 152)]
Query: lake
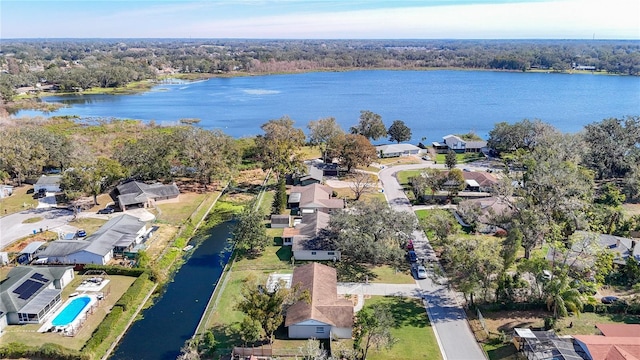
[(431, 103)]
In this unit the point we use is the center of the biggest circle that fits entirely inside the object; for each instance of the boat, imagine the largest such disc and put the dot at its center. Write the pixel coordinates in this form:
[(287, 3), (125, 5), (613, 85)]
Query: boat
[(187, 248)]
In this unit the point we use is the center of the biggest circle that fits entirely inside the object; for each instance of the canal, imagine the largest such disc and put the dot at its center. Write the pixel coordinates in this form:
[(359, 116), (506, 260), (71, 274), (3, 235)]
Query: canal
[(175, 315)]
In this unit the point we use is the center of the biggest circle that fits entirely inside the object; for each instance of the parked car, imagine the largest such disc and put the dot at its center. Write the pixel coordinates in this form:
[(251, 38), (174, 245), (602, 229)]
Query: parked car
[(107, 210), (547, 275), (81, 233), (610, 299), (411, 256), (419, 272)]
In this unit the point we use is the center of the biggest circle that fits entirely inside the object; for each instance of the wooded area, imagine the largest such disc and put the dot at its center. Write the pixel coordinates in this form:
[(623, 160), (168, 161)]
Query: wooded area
[(75, 65)]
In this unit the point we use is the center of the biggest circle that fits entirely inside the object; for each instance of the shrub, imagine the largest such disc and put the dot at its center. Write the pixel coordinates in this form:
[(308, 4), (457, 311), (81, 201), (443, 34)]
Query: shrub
[(130, 296), (46, 351), (500, 233), (103, 331), (116, 270)]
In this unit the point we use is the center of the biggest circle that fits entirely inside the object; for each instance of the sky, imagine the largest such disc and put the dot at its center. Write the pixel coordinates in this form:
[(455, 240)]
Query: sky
[(322, 19)]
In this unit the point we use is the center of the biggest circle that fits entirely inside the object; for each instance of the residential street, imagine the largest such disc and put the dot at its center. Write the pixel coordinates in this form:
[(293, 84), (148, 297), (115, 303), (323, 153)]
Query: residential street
[(446, 314), (12, 227)]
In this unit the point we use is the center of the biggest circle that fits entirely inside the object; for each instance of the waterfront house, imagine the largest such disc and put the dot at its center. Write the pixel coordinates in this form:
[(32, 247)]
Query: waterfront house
[(138, 194), (30, 293), (397, 150), (117, 236), (459, 145), (325, 316)]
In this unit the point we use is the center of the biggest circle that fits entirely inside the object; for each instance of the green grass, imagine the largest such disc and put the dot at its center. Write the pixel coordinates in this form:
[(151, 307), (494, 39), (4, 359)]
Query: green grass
[(90, 225), (461, 158), (309, 153), (18, 201), (404, 176), (176, 213), (32, 220), (388, 275), (415, 338)]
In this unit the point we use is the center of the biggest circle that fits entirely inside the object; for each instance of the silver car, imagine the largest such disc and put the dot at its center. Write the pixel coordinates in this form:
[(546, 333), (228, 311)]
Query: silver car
[(419, 272)]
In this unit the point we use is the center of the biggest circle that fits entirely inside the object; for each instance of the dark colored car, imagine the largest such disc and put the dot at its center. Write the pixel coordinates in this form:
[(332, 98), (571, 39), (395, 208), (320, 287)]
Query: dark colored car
[(411, 256), (81, 233), (610, 299), (108, 210)]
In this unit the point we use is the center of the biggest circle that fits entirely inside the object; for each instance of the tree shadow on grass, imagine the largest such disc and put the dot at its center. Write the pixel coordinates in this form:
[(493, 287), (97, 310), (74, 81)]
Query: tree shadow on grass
[(406, 312), (352, 272), (284, 253)]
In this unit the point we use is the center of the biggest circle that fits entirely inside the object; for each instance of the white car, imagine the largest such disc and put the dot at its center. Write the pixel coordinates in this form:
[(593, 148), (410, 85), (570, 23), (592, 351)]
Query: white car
[(419, 272)]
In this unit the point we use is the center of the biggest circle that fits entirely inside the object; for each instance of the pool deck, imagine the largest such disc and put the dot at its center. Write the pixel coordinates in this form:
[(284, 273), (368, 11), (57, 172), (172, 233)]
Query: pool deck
[(76, 322)]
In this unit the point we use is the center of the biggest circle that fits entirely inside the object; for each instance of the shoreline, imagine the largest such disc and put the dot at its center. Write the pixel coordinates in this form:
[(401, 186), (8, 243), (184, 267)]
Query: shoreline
[(34, 101)]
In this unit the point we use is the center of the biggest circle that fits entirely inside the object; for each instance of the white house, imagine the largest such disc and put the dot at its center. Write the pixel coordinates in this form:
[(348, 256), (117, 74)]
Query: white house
[(325, 316), (118, 235), (49, 183), (307, 241), (397, 150), (459, 145), (30, 293)]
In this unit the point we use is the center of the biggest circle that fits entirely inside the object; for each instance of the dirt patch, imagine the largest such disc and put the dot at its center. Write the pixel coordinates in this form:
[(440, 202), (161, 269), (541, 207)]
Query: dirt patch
[(499, 322), (20, 245), (631, 209)]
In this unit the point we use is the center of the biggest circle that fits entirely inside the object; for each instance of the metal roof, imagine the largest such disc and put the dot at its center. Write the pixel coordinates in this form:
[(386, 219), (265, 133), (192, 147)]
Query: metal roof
[(32, 247)]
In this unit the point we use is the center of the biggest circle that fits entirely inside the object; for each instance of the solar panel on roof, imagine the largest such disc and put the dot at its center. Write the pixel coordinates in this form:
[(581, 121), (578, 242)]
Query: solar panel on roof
[(40, 277), (27, 289)]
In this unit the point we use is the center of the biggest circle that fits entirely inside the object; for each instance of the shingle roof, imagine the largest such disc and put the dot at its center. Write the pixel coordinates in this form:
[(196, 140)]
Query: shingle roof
[(321, 283), (10, 301), (119, 231), (49, 180), (620, 330), (611, 347), (315, 196), (307, 235), (135, 192)]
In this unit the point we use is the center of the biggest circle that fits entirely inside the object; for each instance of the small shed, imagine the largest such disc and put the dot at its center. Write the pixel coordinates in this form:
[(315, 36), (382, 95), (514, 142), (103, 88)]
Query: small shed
[(27, 254), (280, 221), (472, 185)]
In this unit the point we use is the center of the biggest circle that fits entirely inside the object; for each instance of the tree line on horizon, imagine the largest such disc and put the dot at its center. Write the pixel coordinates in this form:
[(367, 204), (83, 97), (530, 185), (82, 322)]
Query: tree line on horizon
[(75, 65)]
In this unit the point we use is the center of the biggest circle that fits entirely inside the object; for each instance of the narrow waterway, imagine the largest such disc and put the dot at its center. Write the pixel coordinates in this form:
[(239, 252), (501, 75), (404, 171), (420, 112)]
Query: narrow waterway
[(174, 317)]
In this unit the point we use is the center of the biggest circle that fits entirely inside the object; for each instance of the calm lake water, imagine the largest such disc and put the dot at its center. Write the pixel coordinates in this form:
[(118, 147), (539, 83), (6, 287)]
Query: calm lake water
[(173, 318), (431, 103)]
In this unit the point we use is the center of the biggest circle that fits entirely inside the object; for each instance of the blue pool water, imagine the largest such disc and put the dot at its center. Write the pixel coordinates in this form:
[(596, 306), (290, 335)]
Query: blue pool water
[(71, 311)]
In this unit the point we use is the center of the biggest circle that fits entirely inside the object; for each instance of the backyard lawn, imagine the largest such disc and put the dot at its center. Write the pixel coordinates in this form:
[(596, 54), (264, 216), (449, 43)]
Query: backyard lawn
[(414, 335)]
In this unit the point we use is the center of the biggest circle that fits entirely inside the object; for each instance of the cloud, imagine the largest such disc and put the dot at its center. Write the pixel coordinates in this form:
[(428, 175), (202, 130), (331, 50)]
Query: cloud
[(554, 19)]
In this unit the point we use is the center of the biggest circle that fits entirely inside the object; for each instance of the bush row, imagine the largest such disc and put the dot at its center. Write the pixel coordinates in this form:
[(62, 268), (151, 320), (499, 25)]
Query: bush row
[(16, 350), (116, 270), (104, 330), (130, 296), (616, 308)]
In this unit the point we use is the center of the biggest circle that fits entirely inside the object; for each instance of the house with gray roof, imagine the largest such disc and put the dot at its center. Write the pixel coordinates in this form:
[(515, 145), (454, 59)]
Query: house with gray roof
[(118, 235), (138, 194), (308, 240), (459, 145), (397, 150), (30, 293), (49, 183)]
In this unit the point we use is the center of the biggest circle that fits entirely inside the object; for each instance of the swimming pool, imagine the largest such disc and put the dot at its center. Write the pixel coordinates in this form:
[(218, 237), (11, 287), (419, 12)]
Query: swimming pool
[(71, 311)]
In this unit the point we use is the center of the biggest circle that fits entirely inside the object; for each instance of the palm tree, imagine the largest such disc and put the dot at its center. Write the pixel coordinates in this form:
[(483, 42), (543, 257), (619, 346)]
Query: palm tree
[(562, 298)]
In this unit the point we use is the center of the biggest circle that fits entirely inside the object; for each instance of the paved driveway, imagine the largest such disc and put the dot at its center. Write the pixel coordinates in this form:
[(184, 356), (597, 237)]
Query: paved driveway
[(12, 227), (445, 313)]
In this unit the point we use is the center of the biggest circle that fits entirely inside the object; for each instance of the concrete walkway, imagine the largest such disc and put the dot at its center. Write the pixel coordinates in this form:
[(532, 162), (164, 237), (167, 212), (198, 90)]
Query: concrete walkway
[(447, 316)]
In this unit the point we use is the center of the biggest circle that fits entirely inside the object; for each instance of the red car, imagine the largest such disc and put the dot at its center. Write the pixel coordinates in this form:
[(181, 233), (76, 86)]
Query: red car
[(410, 245)]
